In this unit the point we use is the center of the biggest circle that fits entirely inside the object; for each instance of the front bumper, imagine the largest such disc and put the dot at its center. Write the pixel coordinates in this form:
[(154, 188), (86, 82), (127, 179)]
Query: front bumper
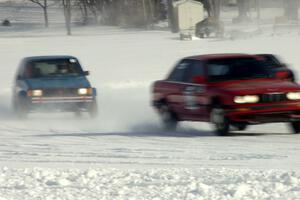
[(265, 113), (77, 99), (73, 103)]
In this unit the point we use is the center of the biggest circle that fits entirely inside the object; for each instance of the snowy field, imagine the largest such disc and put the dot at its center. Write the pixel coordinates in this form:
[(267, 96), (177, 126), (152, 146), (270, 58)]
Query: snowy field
[(123, 154)]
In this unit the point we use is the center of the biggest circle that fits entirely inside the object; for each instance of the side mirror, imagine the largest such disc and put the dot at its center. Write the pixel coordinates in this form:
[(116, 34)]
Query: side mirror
[(199, 79), (86, 73)]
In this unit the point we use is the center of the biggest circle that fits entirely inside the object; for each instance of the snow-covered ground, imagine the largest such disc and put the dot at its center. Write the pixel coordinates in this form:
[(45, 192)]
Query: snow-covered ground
[(156, 184), (123, 154)]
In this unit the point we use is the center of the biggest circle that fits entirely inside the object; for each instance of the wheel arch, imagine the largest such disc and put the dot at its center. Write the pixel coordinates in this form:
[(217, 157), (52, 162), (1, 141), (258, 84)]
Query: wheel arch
[(215, 100)]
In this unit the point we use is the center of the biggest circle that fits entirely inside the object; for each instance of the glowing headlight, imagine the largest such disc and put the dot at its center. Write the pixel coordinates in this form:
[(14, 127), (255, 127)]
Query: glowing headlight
[(293, 95), (36, 93), (246, 99), (82, 91)]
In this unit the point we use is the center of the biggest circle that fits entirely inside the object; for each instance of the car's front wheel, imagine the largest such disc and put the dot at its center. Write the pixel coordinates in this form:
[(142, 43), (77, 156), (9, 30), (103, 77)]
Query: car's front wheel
[(20, 107), (168, 118), (93, 109), (295, 127), (220, 121)]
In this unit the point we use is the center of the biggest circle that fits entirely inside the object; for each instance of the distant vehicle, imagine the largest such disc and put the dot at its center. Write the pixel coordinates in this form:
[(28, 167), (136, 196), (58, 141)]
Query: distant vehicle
[(228, 90), (53, 83), (208, 27)]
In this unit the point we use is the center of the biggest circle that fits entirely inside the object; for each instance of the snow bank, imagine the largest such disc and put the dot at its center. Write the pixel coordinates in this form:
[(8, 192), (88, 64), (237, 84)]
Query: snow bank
[(158, 184)]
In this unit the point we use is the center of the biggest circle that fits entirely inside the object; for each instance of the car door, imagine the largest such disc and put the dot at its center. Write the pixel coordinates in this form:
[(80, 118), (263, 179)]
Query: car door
[(195, 104), (175, 85)]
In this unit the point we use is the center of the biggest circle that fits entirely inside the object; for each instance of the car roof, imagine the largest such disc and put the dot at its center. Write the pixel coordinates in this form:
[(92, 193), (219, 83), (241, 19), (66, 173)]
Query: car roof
[(41, 58), (207, 57)]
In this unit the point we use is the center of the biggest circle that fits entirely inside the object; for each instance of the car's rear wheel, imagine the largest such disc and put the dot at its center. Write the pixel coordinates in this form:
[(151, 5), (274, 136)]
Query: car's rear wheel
[(220, 121), (295, 127), (168, 118)]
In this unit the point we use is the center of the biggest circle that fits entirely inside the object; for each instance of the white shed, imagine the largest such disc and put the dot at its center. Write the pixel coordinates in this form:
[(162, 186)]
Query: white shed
[(187, 13)]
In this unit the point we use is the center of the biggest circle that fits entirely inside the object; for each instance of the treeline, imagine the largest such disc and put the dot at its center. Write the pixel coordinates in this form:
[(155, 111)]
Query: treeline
[(122, 12), (144, 13), (110, 12)]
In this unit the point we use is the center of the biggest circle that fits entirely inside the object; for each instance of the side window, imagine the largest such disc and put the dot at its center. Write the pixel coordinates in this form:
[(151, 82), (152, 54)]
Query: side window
[(20, 72), (218, 70), (197, 69), (179, 74), (27, 69)]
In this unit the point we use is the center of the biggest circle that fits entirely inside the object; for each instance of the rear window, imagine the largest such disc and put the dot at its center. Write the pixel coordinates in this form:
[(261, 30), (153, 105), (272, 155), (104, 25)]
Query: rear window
[(52, 68), (270, 61)]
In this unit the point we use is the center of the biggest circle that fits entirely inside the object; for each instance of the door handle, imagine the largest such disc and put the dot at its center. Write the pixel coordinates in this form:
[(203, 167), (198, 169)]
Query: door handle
[(193, 89)]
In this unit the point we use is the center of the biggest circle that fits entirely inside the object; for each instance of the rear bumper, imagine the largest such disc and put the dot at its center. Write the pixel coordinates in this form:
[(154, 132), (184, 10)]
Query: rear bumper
[(267, 113)]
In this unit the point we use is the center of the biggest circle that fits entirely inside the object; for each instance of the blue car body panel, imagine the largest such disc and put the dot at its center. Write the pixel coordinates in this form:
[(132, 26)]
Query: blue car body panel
[(58, 82)]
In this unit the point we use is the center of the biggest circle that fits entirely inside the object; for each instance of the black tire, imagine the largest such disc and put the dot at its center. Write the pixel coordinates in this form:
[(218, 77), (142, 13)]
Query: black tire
[(295, 126), (168, 118), (221, 123), (240, 126), (20, 108), (93, 109)]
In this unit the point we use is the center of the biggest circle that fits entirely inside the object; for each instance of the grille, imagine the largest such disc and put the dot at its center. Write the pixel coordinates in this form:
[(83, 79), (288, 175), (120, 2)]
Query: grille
[(60, 92), (273, 97)]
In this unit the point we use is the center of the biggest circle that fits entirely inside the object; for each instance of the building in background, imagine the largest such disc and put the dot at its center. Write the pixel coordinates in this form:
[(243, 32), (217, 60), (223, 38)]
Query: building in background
[(187, 13)]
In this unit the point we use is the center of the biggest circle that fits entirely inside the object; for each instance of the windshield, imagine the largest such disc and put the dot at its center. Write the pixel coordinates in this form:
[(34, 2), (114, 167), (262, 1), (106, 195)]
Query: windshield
[(52, 68), (236, 69)]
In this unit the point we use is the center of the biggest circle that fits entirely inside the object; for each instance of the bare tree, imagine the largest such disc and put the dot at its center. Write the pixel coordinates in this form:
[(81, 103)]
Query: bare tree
[(82, 4), (67, 12), (244, 8), (44, 5), (88, 7), (214, 9)]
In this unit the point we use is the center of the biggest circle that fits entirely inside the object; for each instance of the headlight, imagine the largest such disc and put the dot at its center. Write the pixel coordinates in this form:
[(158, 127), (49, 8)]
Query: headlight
[(246, 99), (85, 91), (35, 93), (293, 95), (82, 91)]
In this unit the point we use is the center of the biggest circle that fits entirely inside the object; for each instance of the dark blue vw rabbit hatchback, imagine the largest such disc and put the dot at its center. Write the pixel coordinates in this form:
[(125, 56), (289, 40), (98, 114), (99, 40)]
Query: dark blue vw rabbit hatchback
[(53, 83)]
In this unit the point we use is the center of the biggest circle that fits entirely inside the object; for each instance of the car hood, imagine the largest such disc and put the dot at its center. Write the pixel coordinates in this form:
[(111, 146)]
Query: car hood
[(58, 82), (260, 86)]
